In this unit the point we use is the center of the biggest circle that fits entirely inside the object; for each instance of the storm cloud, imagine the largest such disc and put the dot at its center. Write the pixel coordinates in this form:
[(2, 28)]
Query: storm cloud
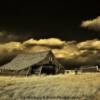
[(92, 24), (8, 36)]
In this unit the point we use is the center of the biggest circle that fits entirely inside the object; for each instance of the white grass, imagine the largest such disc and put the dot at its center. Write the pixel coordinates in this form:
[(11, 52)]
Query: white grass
[(74, 87)]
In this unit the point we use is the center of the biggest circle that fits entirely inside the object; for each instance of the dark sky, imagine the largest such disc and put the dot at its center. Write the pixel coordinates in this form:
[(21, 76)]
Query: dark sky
[(49, 19)]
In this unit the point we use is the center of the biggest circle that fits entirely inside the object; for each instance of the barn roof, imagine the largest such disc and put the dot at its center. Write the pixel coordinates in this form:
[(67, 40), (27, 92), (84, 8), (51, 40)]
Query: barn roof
[(26, 60)]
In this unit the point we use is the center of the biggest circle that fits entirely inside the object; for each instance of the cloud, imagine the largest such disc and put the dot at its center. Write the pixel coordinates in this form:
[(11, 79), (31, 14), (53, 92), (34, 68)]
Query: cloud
[(45, 42), (89, 52), (71, 52), (10, 47), (7, 36), (89, 44), (66, 49), (92, 24), (9, 50), (2, 34), (35, 49), (36, 45)]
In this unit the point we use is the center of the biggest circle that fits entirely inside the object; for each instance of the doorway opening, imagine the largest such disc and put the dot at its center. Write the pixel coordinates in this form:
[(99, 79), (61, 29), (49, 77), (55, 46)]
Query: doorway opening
[(48, 69)]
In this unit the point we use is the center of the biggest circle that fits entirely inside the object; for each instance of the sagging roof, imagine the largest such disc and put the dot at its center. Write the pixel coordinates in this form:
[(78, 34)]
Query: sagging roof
[(26, 60)]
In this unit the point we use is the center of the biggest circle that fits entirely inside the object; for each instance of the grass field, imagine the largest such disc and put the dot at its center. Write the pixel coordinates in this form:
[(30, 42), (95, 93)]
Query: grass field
[(84, 86)]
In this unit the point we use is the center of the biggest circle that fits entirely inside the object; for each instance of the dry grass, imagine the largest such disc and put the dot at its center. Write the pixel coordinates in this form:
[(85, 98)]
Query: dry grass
[(68, 87)]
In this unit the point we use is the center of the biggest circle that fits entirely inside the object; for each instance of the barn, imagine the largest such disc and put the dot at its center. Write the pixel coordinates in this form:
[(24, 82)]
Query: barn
[(32, 63), (89, 68)]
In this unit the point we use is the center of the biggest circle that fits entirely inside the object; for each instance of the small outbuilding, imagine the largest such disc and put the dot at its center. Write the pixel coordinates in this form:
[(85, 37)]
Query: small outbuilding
[(32, 63), (89, 68)]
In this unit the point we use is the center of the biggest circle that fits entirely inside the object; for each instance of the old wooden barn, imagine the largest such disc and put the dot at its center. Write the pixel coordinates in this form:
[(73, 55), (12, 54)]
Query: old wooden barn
[(32, 63)]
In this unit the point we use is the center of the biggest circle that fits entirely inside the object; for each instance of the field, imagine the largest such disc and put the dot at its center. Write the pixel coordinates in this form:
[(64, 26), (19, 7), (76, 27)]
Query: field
[(84, 86)]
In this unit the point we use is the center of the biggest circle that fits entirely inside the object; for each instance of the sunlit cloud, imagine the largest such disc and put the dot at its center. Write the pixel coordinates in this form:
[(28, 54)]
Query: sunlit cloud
[(89, 44), (49, 42), (92, 24), (70, 51)]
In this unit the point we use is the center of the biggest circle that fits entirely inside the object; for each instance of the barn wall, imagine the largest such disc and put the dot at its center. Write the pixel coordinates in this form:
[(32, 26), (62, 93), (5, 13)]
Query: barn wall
[(51, 59), (13, 72), (35, 69)]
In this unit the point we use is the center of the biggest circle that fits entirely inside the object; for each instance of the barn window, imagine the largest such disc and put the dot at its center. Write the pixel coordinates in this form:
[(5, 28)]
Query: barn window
[(50, 58)]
